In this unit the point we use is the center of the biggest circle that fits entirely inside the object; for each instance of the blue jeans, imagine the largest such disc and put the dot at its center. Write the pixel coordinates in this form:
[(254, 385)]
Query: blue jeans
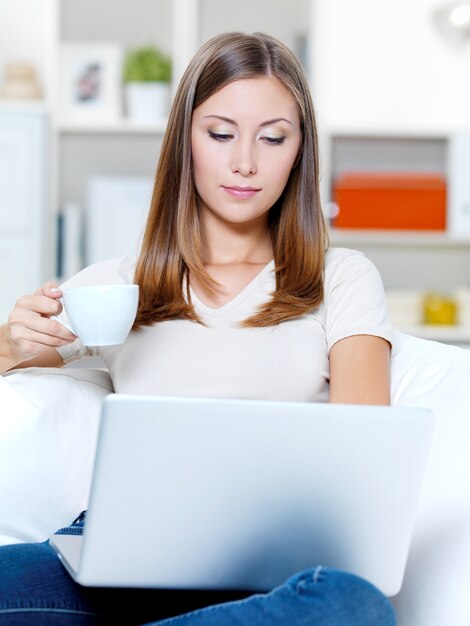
[(36, 590)]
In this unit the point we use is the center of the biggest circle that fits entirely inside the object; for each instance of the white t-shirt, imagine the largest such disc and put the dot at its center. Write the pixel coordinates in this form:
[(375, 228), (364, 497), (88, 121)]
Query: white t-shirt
[(285, 362)]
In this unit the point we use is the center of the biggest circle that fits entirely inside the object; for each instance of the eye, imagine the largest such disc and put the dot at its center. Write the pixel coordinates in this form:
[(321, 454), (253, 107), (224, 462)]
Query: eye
[(274, 140), (220, 136)]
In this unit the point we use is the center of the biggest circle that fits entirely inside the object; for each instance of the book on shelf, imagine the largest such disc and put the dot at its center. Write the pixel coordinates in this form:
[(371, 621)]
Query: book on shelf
[(390, 200), (70, 241), (115, 216)]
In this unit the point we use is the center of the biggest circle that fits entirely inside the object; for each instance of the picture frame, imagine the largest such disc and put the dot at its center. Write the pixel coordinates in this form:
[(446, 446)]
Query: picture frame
[(90, 83)]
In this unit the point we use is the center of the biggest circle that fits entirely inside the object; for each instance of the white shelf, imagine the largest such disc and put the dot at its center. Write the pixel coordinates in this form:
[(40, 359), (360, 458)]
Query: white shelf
[(393, 238), (439, 332), (22, 106), (121, 127), (390, 132)]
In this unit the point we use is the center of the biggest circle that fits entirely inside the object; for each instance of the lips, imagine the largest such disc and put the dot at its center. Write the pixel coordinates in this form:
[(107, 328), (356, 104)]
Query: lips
[(241, 192)]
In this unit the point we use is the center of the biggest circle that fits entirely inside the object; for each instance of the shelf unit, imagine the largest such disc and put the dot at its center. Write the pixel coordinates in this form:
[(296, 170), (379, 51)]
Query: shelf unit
[(23, 199), (393, 150), (394, 238), (436, 261), (454, 335), (85, 149), (123, 127), (377, 150)]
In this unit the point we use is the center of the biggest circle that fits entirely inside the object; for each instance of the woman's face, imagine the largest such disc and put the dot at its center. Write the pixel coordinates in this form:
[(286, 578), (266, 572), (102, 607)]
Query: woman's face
[(245, 140)]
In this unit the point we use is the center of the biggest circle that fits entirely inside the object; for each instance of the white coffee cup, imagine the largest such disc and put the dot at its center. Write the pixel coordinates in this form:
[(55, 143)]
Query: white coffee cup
[(100, 315)]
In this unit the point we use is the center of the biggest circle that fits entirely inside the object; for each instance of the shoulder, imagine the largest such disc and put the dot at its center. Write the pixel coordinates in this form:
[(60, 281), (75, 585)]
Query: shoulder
[(354, 297), (343, 264), (111, 271), (337, 258), (351, 272)]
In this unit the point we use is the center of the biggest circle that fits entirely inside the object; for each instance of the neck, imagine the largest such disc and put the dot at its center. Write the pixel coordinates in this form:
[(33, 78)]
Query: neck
[(226, 244)]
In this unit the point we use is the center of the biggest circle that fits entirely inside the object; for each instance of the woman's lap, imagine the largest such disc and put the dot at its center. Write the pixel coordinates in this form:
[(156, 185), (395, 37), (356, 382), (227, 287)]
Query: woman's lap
[(315, 597), (34, 586), (32, 577)]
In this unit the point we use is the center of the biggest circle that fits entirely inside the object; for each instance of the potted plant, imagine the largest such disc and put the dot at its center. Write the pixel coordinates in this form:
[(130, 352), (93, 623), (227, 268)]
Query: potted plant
[(147, 83)]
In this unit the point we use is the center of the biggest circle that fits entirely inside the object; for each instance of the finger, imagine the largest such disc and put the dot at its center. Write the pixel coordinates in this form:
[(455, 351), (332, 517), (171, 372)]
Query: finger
[(32, 344), (37, 324), (50, 289), (53, 292), (42, 305)]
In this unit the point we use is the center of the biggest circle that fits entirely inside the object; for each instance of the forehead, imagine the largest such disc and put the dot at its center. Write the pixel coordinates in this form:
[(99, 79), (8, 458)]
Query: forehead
[(262, 97)]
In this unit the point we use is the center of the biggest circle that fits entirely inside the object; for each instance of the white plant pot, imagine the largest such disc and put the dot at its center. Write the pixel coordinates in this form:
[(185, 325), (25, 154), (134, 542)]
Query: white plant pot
[(147, 102)]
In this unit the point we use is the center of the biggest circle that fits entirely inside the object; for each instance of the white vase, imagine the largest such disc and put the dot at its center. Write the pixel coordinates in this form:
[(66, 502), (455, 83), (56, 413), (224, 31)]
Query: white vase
[(147, 102)]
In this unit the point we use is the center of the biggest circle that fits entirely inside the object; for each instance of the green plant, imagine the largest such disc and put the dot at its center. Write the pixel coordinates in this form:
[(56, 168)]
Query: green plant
[(147, 64)]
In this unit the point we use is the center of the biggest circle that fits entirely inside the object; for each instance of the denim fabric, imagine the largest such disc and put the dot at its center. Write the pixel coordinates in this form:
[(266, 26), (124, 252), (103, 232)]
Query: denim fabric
[(314, 597), (35, 590)]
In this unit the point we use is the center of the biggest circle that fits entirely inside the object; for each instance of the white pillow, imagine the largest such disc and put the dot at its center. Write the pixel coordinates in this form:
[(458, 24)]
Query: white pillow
[(48, 427), (435, 589)]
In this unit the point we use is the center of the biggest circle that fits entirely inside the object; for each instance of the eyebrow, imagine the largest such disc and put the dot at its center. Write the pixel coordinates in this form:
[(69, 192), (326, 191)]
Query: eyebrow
[(266, 123)]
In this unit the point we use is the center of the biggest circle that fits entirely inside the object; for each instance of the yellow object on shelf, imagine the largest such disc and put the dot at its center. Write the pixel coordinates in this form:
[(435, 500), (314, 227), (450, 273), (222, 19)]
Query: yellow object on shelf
[(439, 309)]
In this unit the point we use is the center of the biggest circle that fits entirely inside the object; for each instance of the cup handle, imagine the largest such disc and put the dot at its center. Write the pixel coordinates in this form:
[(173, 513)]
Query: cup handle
[(67, 325)]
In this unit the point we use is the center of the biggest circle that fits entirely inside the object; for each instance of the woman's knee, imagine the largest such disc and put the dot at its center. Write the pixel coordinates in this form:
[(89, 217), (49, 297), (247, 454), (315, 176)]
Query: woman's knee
[(345, 598), (36, 589), (33, 577)]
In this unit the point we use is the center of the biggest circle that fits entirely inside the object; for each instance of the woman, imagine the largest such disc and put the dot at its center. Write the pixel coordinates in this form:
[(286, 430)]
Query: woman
[(239, 297)]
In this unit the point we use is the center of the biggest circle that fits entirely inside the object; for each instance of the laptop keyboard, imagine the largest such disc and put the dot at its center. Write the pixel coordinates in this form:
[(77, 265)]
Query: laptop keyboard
[(75, 528)]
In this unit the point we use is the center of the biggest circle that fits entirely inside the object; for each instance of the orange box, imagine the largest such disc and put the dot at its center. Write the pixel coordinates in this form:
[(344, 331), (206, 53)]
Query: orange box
[(390, 201)]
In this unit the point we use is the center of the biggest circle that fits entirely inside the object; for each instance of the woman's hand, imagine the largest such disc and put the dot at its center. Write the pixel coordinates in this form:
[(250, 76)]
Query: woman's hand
[(30, 334)]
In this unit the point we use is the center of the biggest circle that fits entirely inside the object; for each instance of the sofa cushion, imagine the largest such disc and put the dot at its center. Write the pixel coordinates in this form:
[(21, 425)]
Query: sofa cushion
[(48, 426), (435, 588)]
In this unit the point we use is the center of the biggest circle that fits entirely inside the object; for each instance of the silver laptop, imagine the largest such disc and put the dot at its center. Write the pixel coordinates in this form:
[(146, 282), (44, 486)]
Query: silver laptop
[(240, 494)]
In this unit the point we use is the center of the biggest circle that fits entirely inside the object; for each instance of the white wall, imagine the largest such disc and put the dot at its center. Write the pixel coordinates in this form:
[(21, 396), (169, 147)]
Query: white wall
[(382, 64), (27, 34), (20, 29), (376, 63), (286, 20)]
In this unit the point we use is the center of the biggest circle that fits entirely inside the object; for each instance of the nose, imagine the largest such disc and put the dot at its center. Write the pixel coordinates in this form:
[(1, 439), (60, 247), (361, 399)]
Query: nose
[(244, 158)]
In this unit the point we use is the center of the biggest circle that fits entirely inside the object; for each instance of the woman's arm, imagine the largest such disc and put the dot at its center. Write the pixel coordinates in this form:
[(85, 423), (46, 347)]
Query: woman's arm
[(30, 337), (360, 370)]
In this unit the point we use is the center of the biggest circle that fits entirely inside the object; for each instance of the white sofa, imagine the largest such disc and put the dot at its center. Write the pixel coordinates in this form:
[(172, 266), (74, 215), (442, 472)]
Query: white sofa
[(48, 425)]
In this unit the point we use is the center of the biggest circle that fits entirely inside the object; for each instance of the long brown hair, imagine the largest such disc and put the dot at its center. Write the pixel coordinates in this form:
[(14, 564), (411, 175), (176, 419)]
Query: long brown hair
[(172, 242)]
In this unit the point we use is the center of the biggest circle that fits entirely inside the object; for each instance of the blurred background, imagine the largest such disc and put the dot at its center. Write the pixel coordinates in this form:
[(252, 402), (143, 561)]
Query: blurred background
[(85, 89)]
